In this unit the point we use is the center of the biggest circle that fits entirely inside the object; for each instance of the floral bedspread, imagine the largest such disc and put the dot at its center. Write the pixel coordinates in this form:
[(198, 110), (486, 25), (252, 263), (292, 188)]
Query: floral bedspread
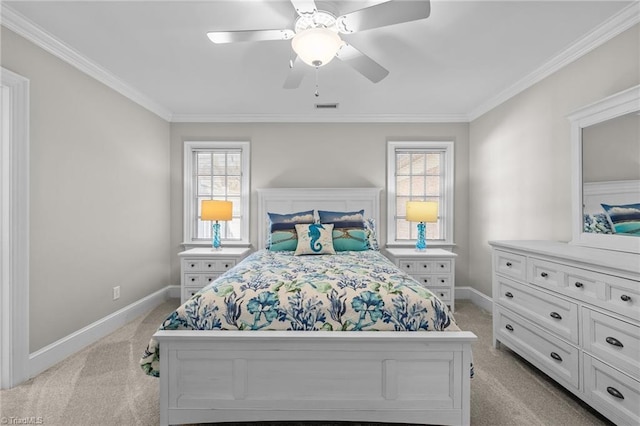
[(347, 291)]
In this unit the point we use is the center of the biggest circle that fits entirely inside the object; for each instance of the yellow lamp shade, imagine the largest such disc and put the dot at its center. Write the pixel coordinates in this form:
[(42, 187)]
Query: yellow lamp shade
[(216, 210), (422, 211)]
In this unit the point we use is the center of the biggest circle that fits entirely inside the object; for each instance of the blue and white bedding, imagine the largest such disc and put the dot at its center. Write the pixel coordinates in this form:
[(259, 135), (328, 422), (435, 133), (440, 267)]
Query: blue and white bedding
[(346, 291)]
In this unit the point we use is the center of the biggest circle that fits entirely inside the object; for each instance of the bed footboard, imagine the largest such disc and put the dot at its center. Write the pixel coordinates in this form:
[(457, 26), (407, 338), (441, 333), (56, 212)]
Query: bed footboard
[(224, 376)]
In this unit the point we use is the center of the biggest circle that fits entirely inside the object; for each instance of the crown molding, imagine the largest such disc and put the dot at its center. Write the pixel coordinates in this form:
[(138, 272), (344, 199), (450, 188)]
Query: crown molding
[(319, 118), (27, 29), (614, 26)]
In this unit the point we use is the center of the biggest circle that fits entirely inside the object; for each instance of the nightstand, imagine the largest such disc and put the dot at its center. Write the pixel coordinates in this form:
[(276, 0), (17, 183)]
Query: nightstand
[(433, 268), (201, 266)]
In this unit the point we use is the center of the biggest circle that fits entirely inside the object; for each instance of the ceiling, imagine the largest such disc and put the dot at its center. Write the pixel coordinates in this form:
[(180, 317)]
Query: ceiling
[(466, 58)]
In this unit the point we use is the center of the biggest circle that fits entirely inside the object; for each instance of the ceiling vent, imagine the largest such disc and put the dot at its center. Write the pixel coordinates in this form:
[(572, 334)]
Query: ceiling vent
[(327, 106)]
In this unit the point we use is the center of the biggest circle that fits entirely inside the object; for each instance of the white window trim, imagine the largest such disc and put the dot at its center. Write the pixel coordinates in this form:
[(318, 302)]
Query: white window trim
[(189, 215), (448, 188)]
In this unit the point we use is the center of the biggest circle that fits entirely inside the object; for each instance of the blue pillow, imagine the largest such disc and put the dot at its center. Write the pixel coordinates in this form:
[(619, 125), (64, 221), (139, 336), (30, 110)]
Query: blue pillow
[(349, 233), (282, 229), (624, 219), (597, 223), (343, 219)]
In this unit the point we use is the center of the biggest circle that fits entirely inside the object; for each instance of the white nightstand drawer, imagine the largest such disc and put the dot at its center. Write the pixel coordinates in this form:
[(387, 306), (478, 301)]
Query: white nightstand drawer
[(609, 338), (548, 311), (193, 280), (612, 392), (443, 294), (510, 264), (192, 265), (187, 292), (433, 280), (552, 355)]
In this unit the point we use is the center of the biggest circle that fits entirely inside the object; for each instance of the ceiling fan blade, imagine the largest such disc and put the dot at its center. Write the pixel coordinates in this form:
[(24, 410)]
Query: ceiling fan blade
[(361, 63), (249, 35), (383, 14), (304, 7), (296, 74)]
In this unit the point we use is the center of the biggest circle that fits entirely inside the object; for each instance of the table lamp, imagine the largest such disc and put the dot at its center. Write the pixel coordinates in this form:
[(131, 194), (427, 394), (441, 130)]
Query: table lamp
[(422, 212), (216, 210)]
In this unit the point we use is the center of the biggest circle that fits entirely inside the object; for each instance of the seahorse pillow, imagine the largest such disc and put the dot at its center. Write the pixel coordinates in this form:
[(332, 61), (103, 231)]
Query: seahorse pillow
[(315, 238), (282, 229)]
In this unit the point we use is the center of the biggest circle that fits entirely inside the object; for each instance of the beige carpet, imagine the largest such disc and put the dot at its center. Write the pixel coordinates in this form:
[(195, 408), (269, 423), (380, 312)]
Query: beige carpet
[(103, 384)]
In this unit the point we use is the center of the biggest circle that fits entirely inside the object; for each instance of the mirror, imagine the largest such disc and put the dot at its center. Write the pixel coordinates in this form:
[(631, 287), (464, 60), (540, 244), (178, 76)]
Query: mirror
[(606, 173)]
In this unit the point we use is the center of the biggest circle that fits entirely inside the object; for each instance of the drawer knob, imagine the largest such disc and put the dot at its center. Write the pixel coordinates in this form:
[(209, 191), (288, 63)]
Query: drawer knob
[(426, 280), (509, 295), (625, 298), (407, 266), (425, 266), (556, 356), (614, 392), (613, 341), (579, 284), (442, 281), (544, 275), (193, 279), (226, 265), (209, 279), (441, 294), (508, 327), (442, 265), (555, 315), (209, 265), (509, 265)]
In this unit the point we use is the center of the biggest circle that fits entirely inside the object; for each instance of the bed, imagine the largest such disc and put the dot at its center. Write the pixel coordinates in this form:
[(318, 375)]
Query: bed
[(291, 363)]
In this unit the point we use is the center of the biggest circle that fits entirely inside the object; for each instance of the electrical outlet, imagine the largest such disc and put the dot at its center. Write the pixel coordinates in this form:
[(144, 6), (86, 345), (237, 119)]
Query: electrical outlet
[(116, 293)]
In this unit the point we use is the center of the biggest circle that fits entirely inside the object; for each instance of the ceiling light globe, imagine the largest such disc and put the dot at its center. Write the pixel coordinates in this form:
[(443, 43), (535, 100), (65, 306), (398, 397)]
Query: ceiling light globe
[(316, 46)]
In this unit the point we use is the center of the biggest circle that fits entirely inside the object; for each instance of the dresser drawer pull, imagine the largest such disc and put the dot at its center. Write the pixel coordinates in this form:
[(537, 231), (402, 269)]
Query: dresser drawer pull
[(555, 315), (544, 275), (614, 392), (579, 284), (426, 280), (442, 265), (625, 298), (615, 342), (209, 265), (193, 279), (509, 295), (442, 281), (209, 279), (508, 327), (509, 264), (556, 356)]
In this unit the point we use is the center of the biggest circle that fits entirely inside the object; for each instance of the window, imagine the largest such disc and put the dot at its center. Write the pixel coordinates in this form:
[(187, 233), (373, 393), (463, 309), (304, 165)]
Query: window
[(419, 171), (216, 171)]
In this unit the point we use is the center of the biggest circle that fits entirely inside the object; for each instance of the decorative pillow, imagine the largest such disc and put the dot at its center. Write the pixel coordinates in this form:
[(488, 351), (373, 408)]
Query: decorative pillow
[(597, 223), (343, 219), (314, 238), (624, 219), (372, 238), (350, 239), (282, 229)]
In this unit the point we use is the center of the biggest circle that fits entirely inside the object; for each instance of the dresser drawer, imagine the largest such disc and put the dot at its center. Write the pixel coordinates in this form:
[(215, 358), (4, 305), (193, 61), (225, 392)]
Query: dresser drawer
[(510, 264), (613, 393), (613, 340), (546, 274), (558, 359), (548, 311), (187, 292)]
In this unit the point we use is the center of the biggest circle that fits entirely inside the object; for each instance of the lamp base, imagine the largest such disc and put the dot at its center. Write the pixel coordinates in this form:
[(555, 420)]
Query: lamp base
[(215, 238), (421, 244)]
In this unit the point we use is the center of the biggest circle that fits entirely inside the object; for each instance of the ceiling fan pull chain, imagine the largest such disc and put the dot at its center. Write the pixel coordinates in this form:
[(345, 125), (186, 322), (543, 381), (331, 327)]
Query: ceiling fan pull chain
[(317, 93)]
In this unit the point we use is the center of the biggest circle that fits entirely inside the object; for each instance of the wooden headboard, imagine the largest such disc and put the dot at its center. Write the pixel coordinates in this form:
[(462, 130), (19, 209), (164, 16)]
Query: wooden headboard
[(610, 192), (290, 200)]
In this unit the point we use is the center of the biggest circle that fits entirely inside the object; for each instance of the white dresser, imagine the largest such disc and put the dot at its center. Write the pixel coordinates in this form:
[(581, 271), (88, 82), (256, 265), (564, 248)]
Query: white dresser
[(201, 266), (433, 268), (573, 312)]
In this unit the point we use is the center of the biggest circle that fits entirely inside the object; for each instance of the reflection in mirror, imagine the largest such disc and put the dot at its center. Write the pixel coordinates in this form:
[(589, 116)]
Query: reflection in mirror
[(611, 176)]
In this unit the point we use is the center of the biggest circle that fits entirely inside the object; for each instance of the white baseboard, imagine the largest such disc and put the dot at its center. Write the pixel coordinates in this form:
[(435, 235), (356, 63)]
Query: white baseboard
[(61, 349), (173, 291), (477, 298)]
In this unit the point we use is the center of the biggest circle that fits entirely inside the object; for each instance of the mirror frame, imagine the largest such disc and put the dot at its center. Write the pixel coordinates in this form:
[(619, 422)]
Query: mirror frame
[(625, 102)]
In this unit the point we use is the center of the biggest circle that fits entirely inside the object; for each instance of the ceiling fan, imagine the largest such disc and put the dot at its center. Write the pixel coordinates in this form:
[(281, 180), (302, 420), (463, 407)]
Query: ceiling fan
[(315, 35)]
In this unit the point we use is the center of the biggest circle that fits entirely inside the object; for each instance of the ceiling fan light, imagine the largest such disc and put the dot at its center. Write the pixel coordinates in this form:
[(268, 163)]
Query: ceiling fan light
[(316, 46)]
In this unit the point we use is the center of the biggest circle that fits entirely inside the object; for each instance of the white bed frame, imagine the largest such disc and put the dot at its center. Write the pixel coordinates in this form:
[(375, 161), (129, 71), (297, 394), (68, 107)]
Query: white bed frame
[(229, 376)]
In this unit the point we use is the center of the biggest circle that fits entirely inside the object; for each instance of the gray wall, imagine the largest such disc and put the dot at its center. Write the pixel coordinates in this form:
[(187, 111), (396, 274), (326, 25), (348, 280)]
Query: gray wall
[(99, 195), (321, 155), (520, 152)]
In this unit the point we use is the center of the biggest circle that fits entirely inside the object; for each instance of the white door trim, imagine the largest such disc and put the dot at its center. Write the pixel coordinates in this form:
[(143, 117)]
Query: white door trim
[(14, 229)]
